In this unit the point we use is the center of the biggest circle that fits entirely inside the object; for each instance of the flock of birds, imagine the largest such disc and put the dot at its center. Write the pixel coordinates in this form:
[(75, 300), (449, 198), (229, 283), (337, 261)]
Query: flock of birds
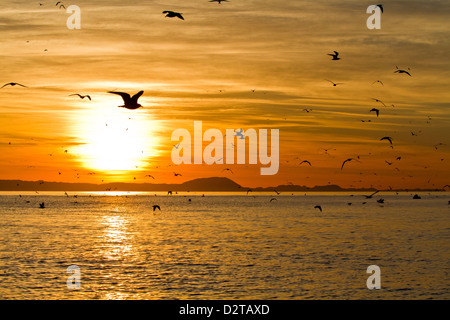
[(131, 102)]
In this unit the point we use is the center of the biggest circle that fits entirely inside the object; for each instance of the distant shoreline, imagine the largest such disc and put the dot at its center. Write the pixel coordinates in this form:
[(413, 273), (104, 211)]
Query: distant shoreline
[(213, 184)]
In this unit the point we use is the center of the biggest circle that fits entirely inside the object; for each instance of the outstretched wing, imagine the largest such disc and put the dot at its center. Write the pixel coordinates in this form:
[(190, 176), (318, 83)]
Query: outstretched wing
[(136, 96), (167, 11), (179, 16), (125, 96)]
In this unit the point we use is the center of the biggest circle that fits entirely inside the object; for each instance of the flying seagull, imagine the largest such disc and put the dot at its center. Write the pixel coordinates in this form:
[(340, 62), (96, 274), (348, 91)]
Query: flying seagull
[(318, 207), (376, 110), (370, 196), (343, 163), (387, 138), (305, 161), (130, 102), (155, 206), (172, 14), (334, 84), (378, 82), (219, 1), (335, 55), (402, 71), (273, 199), (12, 84), (81, 96), (377, 100), (176, 174)]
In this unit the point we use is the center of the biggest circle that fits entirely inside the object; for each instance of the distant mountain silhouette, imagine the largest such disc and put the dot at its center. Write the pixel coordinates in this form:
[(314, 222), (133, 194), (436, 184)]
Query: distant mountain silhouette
[(201, 184)]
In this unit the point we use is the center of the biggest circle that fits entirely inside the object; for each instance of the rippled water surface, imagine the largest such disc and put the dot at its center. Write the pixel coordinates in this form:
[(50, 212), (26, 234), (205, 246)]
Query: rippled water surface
[(225, 246)]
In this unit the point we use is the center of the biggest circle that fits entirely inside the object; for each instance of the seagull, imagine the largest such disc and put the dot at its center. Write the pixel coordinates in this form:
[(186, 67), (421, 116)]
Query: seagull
[(376, 110), (318, 207), (335, 55), (42, 205), (219, 1), (307, 110), (12, 84), (402, 71), (389, 163), (155, 206), (387, 138), (130, 102), (381, 7), (343, 163), (370, 196), (334, 84), (305, 161), (81, 96), (377, 100), (176, 174), (273, 199), (172, 14), (378, 82), (150, 176)]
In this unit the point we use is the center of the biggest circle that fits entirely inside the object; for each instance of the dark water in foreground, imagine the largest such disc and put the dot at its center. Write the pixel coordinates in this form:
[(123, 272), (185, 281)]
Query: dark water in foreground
[(224, 246)]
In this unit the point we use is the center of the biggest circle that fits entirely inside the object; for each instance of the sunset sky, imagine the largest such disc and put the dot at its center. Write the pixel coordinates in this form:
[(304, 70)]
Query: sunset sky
[(241, 64)]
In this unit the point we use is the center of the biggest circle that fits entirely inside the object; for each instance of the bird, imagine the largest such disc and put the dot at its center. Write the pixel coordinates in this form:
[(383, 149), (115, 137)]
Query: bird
[(398, 158), (335, 55), (218, 1), (380, 200), (155, 206), (227, 169), (381, 7), (42, 205), (387, 138), (172, 14), (318, 207), (130, 102), (376, 110), (402, 71), (176, 174), (378, 82), (62, 6), (81, 96), (12, 84), (150, 176), (389, 163), (307, 110), (343, 163), (273, 199), (371, 195), (305, 161), (377, 100), (334, 84)]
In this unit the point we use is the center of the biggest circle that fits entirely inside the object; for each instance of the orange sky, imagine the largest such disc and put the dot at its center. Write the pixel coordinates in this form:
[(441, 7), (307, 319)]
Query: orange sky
[(205, 68)]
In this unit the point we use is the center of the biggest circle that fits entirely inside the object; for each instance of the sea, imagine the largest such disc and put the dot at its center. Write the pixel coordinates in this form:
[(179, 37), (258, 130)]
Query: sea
[(224, 246)]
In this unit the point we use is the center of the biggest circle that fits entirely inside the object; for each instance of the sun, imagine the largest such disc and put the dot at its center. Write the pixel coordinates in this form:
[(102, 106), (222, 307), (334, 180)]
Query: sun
[(114, 139)]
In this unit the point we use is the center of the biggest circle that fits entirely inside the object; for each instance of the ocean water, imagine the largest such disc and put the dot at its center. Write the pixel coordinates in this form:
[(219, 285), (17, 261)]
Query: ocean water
[(224, 246)]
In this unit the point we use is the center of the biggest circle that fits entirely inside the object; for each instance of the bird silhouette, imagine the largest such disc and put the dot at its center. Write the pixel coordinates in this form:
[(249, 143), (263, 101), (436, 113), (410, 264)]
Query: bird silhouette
[(318, 207), (348, 160), (130, 102), (173, 14), (81, 96), (378, 81), (273, 199), (335, 55), (176, 174), (218, 1), (155, 206), (305, 161), (387, 138), (371, 195), (402, 71), (227, 169), (377, 100), (12, 84), (334, 84), (150, 176), (376, 110)]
